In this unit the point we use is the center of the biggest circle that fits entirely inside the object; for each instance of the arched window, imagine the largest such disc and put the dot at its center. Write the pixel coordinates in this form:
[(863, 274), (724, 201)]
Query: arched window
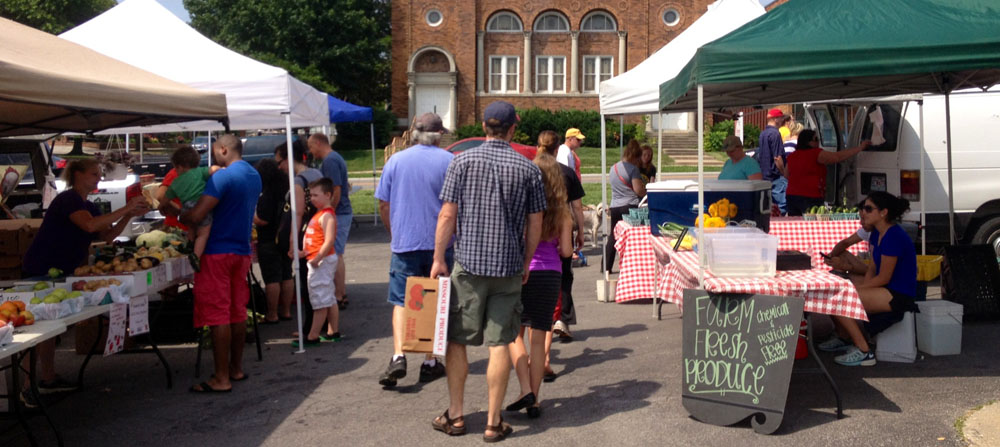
[(551, 22), (598, 22), (504, 22)]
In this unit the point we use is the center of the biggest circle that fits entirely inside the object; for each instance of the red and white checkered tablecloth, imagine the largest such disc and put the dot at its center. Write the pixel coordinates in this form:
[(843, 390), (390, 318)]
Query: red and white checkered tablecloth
[(637, 277), (823, 292), (814, 237)]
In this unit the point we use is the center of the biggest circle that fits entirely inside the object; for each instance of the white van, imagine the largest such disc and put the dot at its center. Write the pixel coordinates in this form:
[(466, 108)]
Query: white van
[(895, 165)]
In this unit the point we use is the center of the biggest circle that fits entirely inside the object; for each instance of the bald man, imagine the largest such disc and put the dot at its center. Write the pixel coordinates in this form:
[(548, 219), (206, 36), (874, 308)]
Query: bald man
[(220, 288)]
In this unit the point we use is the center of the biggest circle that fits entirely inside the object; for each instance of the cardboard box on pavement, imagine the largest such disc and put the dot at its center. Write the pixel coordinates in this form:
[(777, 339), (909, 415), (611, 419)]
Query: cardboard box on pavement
[(425, 316)]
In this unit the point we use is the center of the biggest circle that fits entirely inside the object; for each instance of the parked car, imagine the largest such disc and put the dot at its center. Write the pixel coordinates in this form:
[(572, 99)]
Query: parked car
[(469, 143), (200, 144), (257, 148)]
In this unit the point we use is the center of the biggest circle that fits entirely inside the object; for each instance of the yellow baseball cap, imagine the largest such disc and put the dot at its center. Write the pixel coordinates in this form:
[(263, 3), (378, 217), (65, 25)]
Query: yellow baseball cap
[(574, 132)]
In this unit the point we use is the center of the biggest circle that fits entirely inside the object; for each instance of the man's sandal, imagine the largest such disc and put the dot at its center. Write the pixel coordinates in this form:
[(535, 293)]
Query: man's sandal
[(447, 425), (500, 431)]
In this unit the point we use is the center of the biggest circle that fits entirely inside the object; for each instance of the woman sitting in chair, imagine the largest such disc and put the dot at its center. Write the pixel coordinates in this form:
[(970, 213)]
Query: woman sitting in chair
[(890, 284)]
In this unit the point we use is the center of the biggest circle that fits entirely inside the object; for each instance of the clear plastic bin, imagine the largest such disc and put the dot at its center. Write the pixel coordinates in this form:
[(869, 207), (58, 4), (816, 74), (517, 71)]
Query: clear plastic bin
[(740, 252)]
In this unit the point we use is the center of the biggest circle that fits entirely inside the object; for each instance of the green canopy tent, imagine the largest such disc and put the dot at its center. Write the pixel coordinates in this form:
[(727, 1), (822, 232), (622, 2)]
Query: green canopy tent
[(814, 50)]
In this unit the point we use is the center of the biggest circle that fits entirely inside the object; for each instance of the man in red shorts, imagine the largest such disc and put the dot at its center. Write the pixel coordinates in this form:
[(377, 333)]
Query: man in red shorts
[(220, 288)]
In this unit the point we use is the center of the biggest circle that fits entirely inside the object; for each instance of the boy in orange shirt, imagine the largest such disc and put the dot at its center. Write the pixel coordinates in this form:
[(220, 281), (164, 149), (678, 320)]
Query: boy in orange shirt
[(318, 248)]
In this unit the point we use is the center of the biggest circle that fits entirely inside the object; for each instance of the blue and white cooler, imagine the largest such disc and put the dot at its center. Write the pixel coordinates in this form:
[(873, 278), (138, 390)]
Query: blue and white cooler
[(677, 201)]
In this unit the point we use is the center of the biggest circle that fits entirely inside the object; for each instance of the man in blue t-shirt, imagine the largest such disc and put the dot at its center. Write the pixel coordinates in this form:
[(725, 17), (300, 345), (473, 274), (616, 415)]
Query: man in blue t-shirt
[(335, 168), (769, 150), (409, 205), (220, 288)]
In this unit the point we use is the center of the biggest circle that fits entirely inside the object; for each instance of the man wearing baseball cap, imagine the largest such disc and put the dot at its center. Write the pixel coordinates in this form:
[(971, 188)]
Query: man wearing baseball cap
[(567, 151), (769, 151), (493, 203), (409, 203)]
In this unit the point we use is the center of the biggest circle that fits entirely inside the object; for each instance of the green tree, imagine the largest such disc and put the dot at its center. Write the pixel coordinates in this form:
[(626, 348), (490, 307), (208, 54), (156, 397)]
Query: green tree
[(53, 16), (337, 46)]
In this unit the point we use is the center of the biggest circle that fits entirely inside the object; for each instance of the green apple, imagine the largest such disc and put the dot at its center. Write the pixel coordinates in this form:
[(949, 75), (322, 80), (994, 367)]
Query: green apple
[(40, 285), (36, 301), (50, 300)]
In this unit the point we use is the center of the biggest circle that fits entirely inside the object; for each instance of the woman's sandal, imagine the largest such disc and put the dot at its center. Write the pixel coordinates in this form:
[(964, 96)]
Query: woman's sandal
[(447, 425), (500, 431)]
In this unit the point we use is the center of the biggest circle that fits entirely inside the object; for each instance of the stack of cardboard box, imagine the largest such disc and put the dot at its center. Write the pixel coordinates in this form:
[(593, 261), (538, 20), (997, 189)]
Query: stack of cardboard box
[(15, 238)]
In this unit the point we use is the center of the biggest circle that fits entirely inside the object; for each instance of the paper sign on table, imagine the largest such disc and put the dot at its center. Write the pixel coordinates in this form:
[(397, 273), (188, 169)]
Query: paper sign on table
[(116, 329), (138, 315)]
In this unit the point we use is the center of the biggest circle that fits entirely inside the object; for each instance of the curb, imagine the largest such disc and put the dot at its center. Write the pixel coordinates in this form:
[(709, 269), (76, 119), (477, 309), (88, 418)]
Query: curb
[(982, 426)]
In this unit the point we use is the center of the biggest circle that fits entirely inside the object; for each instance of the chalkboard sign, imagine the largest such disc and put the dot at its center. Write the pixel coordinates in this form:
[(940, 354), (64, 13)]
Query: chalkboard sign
[(738, 356)]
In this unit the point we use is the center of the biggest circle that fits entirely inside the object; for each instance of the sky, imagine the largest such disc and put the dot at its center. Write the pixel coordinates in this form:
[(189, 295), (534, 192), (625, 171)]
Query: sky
[(177, 7)]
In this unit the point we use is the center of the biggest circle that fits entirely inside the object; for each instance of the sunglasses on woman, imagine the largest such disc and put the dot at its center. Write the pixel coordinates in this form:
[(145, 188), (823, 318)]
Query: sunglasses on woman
[(868, 208)]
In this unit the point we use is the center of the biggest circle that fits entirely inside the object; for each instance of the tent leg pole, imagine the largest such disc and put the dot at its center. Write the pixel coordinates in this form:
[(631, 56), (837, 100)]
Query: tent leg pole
[(621, 137), (951, 190), (295, 234), (371, 127), (923, 203), (701, 176), (209, 151), (604, 201), (140, 147), (659, 144)]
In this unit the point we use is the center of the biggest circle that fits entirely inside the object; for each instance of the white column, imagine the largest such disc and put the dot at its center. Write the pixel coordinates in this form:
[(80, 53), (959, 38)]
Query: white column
[(452, 105), (621, 52), (480, 68), (412, 99), (527, 64), (574, 63)]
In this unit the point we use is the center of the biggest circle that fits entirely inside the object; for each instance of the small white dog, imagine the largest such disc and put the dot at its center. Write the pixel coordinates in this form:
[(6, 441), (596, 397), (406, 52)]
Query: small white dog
[(592, 218)]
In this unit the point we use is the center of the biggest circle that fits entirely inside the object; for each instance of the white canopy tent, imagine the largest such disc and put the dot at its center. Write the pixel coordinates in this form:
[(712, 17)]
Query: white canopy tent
[(145, 34), (637, 91), (259, 96)]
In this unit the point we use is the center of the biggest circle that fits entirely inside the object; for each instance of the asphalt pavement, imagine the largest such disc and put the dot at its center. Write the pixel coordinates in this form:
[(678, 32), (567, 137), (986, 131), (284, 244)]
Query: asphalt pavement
[(619, 384)]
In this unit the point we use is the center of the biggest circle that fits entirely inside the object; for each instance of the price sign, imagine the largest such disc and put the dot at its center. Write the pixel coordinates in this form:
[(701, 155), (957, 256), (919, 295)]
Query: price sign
[(116, 329)]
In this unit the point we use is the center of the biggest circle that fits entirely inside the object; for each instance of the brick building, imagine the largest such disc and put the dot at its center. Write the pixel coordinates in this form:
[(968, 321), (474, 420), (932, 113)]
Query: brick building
[(454, 57)]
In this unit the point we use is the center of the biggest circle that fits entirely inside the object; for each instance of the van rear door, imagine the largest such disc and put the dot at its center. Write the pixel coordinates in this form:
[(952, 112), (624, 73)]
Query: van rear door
[(824, 119), (878, 167)]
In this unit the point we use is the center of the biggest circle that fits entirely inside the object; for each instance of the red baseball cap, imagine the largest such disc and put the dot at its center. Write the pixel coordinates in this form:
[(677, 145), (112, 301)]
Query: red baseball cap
[(775, 113)]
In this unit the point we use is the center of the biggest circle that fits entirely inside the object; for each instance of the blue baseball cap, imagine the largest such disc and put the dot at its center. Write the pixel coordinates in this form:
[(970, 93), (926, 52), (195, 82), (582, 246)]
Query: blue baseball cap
[(501, 111)]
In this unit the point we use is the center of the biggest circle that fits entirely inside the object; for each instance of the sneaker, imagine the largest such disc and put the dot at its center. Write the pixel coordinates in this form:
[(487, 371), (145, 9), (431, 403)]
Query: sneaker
[(834, 344), (395, 371), (56, 386), (431, 373), (854, 357), (561, 330), (335, 337), (28, 400)]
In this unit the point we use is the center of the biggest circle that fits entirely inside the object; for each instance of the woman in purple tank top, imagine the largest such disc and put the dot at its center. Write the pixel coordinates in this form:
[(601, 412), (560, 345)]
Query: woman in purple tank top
[(540, 294)]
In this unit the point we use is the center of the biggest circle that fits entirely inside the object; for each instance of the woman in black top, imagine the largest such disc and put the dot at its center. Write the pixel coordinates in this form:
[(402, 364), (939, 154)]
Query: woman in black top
[(275, 267)]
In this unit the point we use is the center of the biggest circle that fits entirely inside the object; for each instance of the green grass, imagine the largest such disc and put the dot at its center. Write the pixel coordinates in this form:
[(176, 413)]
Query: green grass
[(360, 160), (593, 193), (590, 161), (363, 201)]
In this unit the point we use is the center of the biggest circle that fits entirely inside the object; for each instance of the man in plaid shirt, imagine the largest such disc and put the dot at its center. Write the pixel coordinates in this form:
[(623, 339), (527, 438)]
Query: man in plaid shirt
[(490, 192)]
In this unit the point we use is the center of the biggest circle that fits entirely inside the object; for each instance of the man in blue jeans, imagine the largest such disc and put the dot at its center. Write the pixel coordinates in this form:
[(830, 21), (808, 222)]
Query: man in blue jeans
[(335, 168), (408, 204), (769, 150)]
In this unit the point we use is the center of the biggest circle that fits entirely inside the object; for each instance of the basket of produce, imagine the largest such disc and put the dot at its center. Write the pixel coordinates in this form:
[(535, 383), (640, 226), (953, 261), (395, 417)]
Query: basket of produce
[(58, 303), (14, 313)]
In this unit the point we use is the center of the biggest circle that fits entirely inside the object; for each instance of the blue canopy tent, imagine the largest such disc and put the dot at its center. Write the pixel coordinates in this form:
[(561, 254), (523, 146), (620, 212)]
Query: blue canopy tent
[(344, 112)]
